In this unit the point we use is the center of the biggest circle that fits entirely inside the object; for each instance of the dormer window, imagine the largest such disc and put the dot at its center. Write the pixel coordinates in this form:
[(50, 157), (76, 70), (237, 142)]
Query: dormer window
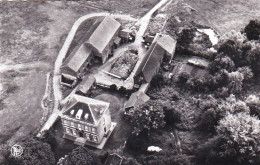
[(79, 114), (86, 116), (72, 112)]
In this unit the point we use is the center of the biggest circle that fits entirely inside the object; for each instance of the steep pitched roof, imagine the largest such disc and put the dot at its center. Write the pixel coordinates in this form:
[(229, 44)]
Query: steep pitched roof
[(136, 99), (77, 59), (167, 43), (103, 33), (151, 62), (94, 108)]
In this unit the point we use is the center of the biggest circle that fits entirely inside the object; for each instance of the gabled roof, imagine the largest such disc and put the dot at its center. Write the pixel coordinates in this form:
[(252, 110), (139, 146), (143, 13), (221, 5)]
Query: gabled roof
[(151, 62), (136, 99), (86, 84), (94, 108), (167, 43), (77, 59), (103, 34)]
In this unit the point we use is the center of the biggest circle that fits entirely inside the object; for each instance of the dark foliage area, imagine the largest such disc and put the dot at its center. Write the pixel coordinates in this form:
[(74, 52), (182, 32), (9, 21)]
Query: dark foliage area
[(80, 156), (252, 30), (34, 152)]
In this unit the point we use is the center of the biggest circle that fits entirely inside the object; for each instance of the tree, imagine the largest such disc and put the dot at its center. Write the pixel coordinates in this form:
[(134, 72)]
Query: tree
[(247, 73), (34, 152), (240, 138), (147, 116), (253, 56), (213, 110), (222, 61), (80, 156), (252, 30), (235, 82)]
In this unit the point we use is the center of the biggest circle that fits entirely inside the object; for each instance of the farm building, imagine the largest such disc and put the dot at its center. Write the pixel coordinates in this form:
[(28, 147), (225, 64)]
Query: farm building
[(103, 35), (75, 65), (163, 45), (87, 121), (150, 65), (85, 85), (114, 159), (136, 99), (167, 43), (102, 39)]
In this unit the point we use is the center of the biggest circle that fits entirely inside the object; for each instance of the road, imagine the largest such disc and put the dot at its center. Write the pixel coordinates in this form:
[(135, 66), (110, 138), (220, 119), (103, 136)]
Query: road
[(144, 21)]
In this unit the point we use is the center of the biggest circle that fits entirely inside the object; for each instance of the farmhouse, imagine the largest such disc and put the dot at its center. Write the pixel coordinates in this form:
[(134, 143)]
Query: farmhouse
[(75, 65), (102, 39), (87, 121)]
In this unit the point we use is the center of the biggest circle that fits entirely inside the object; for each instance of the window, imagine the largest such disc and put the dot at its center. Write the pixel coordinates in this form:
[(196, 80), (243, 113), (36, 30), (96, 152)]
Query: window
[(86, 128), (74, 132), (95, 138), (87, 136), (89, 129), (68, 131), (80, 126), (72, 124), (93, 130), (65, 122)]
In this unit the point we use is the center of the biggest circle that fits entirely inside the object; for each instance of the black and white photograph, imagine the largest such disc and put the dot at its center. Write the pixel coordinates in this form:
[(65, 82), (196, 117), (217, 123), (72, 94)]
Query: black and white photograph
[(129, 82)]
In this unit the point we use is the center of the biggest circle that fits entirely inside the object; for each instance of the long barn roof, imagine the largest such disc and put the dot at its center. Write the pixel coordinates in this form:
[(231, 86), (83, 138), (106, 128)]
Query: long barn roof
[(104, 33)]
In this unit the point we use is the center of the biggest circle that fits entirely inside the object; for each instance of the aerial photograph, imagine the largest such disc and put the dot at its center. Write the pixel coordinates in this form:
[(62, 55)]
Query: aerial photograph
[(130, 82)]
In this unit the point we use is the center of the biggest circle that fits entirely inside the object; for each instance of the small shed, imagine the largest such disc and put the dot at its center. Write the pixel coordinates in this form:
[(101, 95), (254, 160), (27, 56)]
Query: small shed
[(114, 159), (85, 85), (136, 99)]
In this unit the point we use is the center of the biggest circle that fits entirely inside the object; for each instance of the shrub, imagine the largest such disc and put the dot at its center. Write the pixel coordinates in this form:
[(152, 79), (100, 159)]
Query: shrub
[(166, 93), (147, 116), (183, 78)]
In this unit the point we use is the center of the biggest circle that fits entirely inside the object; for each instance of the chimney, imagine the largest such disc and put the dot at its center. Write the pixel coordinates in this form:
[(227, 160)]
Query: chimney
[(79, 114)]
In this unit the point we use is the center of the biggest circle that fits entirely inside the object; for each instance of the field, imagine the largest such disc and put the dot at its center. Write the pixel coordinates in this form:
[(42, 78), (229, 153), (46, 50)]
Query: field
[(32, 34)]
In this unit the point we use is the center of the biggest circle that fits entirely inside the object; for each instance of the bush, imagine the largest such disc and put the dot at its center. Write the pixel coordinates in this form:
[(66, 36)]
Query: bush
[(147, 116), (183, 78), (165, 93)]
